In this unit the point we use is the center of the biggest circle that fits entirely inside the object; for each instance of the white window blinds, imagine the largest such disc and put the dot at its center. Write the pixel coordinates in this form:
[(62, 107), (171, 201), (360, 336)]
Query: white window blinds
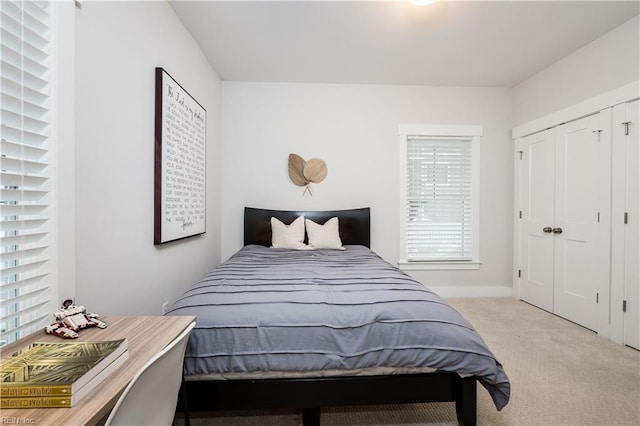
[(25, 169), (439, 207)]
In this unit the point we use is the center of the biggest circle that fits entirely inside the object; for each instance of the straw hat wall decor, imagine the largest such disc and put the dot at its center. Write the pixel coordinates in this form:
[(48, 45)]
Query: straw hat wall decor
[(303, 173)]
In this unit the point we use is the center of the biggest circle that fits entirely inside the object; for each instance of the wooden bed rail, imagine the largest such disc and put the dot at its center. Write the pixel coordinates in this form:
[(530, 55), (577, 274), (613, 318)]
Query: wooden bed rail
[(309, 394)]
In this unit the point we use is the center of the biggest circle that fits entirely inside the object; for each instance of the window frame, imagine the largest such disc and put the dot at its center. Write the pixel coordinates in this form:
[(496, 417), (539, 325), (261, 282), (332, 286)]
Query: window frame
[(473, 132)]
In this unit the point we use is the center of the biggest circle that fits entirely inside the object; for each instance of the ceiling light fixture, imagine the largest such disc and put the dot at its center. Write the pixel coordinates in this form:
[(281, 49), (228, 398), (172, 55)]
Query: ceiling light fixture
[(422, 2)]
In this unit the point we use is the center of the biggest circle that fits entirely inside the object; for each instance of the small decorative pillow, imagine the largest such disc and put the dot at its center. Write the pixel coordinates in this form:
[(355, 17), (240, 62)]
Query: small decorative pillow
[(288, 236), (325, 236)]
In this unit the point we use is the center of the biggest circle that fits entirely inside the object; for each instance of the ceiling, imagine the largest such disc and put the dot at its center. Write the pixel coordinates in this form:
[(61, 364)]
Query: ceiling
[(448, 43)]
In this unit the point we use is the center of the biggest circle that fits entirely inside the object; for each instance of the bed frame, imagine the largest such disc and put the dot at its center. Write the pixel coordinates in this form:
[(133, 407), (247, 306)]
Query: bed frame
[(309, 394)]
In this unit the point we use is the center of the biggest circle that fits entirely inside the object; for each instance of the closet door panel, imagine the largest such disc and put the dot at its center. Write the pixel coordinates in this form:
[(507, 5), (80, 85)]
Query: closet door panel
[(575, 226), (632, 229), (536, 285)]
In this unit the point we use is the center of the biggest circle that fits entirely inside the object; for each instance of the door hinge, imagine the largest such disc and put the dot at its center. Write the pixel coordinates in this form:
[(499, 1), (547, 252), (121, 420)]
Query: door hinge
[(519, 273), (597, 297), (598, 217), (626, 218), (599, 131), (624, 306), (520, 214), (626, 127), (520, 153)]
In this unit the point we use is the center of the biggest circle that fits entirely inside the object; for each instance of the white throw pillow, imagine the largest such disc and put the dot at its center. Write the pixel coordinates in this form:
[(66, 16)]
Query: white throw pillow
[(288, 236), (325, 236)]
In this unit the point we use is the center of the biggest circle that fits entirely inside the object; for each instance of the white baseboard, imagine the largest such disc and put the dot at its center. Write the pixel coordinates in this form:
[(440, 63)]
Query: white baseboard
[(468, 291)]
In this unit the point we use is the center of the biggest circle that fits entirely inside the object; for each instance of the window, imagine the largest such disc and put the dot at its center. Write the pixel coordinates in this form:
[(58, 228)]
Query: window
[(439, 178), (25, 168)]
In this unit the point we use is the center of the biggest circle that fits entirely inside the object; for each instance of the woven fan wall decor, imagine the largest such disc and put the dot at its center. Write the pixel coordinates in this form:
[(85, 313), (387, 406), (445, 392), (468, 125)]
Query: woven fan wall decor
[(303, 173)]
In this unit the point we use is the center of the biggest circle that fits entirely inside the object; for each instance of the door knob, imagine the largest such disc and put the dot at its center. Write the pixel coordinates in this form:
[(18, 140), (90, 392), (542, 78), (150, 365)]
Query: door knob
[(557, 230), (547, 230)]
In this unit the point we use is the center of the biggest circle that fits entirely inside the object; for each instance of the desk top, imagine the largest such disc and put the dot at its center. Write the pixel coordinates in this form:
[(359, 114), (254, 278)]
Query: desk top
[(146, 337)]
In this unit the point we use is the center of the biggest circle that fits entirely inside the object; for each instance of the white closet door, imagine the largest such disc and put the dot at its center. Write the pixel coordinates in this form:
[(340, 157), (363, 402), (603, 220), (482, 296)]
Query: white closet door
[(632, 230), (576, 263), (538, 199)]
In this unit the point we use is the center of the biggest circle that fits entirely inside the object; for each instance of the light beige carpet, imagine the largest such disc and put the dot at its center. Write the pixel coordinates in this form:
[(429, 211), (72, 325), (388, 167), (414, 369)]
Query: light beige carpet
[(561, 374)]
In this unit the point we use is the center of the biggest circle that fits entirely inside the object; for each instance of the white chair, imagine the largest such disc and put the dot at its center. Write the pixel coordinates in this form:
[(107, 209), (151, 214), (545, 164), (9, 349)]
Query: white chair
[(151, 396)]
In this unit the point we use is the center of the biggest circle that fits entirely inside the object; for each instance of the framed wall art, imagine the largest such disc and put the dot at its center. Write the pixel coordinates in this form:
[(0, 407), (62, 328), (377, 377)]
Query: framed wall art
[(180, 162)]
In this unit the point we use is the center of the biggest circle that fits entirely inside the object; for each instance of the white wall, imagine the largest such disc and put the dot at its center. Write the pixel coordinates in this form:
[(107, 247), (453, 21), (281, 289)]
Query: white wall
[(353, 128), (64, 230), (118, 45), (605, 64)]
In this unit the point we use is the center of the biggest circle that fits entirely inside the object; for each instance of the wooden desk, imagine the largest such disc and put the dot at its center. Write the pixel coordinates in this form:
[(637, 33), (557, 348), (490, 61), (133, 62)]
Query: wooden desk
[(146, 337)]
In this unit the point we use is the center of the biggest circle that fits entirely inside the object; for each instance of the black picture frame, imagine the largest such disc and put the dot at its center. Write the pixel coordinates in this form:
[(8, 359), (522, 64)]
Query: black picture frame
[(180, 162)]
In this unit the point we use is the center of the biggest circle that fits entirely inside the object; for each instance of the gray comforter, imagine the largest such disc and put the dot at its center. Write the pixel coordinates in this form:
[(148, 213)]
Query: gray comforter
[(281, 310)]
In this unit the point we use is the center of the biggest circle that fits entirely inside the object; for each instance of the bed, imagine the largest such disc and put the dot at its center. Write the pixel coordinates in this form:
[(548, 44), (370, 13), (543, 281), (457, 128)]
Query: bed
[(307, 328)]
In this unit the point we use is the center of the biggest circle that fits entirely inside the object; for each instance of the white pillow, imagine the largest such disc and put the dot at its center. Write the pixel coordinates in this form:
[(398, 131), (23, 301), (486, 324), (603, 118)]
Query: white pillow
[(288, 236), (325, 236)]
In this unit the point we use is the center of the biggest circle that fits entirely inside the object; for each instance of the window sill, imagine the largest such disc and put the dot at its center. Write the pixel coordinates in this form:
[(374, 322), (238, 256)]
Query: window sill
[(440, 265)]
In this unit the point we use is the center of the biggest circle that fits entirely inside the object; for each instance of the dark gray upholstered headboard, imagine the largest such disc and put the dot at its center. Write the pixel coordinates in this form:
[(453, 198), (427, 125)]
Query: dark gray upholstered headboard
[(354, 224)]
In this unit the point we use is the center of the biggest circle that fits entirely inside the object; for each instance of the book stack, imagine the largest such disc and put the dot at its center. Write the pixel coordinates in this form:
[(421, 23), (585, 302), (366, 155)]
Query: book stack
[(52, 374)]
